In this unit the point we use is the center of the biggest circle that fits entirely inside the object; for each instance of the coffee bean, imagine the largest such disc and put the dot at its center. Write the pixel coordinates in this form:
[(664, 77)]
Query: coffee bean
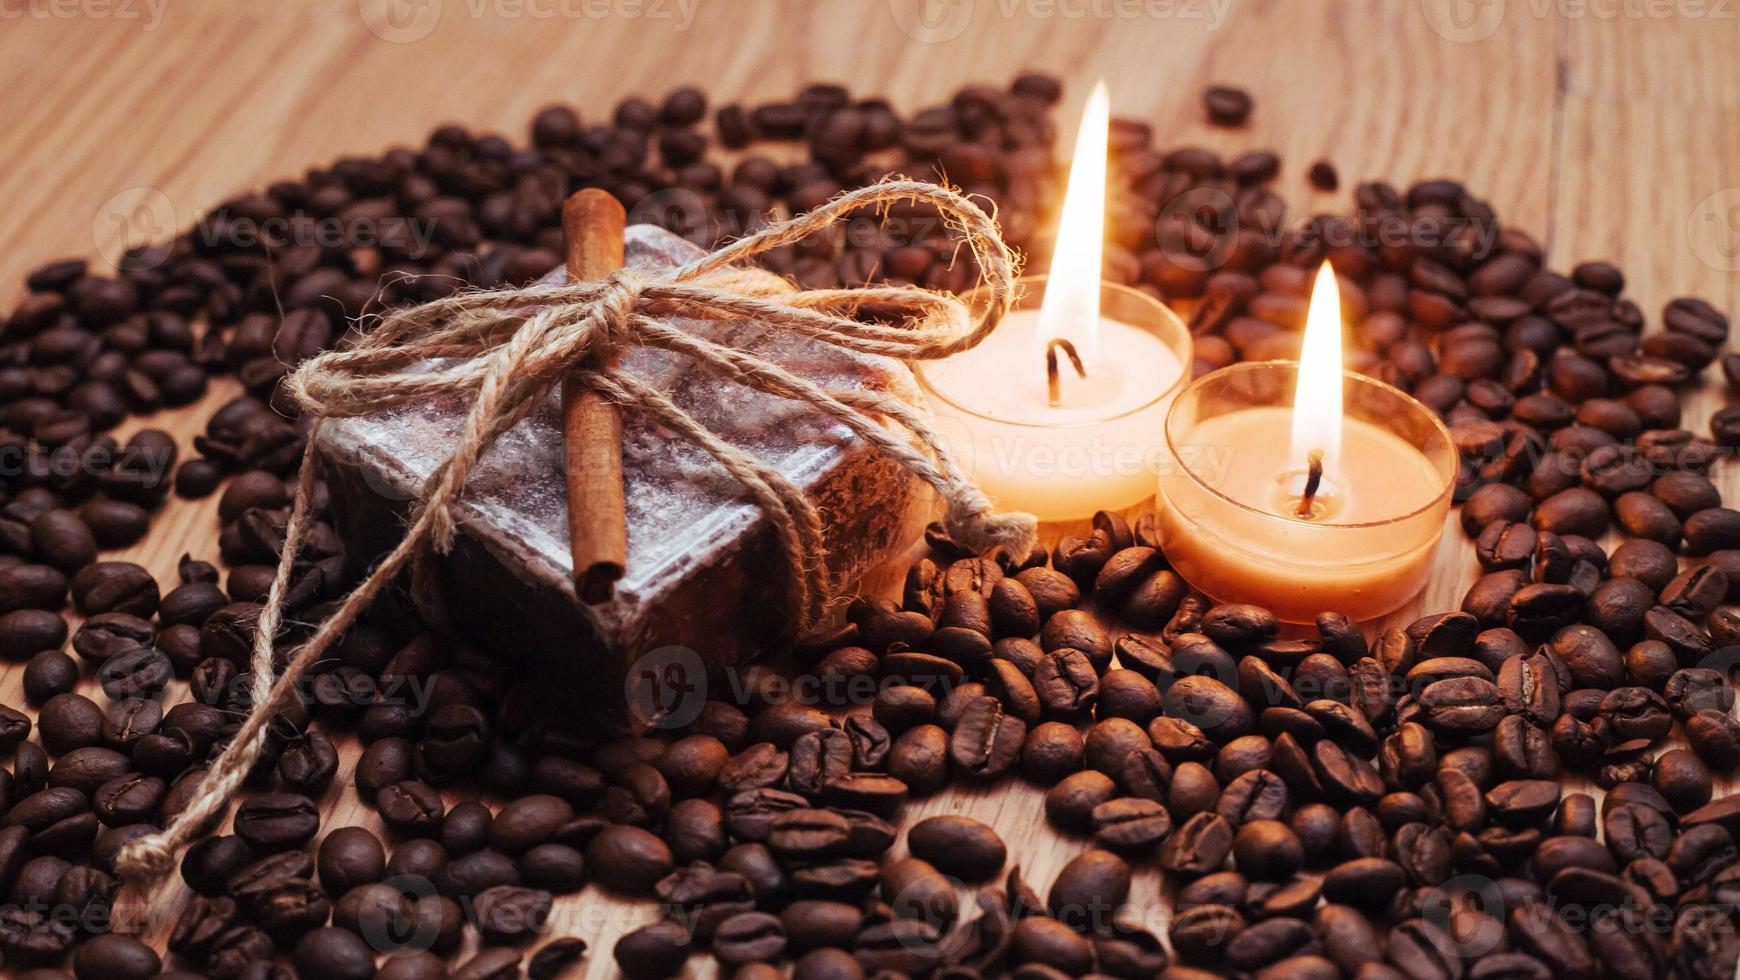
[(1052, 750), (1089, 889), (69, 721), (25, 632), (114, 586), (335, 953), (63, 541), (348, 857), (628, 859), (141, 672), (411, 808), (112, 955), (276, 821), (1712, 529), (108, 635), (1573, 511), (1130, 824), (1227, 106), (29, 586), (880, 795), (1198, 846), (511, 914), (47, 674)]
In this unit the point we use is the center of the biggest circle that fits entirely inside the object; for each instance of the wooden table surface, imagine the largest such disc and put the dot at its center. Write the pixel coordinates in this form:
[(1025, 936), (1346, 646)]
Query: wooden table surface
[(1609, 129)]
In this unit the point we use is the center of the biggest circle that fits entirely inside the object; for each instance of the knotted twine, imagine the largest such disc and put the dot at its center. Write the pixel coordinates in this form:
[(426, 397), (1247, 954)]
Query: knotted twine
[(509, 348)]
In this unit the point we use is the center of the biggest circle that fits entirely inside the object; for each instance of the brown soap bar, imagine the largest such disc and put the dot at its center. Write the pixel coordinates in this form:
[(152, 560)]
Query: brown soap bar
[(704, 569)]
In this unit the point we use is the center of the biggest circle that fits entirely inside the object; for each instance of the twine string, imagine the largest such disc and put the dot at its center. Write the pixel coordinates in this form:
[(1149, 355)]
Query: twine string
[(509, 348)]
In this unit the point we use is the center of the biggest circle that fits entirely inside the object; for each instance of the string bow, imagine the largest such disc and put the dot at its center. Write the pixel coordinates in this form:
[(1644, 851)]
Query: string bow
[(509, 348)]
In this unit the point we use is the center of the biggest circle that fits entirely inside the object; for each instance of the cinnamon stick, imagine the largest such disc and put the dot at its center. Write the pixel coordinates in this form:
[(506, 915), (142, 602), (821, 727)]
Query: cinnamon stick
[(592, 224)]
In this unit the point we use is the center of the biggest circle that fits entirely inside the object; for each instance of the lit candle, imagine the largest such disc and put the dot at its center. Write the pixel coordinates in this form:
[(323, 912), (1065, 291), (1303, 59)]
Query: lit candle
[(1059, 411), (1345, 516)]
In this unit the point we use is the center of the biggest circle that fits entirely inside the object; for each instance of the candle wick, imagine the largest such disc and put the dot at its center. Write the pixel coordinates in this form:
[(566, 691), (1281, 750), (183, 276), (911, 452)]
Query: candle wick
[(1052, 346), (1313, 480)]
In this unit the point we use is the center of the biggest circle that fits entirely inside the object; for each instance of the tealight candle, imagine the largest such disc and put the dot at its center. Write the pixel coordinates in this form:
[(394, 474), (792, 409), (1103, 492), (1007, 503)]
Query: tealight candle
[(1344, 515), (1059, 411)]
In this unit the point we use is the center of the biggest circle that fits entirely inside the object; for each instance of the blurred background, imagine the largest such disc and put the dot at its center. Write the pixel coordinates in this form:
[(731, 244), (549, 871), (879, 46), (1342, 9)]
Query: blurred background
[(1608, 129)]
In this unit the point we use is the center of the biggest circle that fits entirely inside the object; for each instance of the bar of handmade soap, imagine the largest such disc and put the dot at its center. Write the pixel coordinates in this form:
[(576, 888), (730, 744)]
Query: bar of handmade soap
[(704, 569)]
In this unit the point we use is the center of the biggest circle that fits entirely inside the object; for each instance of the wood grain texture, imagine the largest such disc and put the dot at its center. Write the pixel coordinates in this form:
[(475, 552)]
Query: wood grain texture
[(1607, 136)]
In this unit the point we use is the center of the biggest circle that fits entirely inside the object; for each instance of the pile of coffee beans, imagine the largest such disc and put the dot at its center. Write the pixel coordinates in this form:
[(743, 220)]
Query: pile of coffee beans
[(1319, 805)]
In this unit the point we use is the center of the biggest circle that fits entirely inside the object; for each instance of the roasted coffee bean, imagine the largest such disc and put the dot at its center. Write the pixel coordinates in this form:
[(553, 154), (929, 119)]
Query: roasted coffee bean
[(384, 762), (1650, 562), (308, 763), (141, 672), (276, 821), (349, 857), (628, 859), (1052, 751), (658, 949), (1052, 591), (68, 721), (811, 924), (1227, 106), (1715, 737), (24, 632), (1689, 691), (107, 635), (112, 955), (919, 758), (411, 808), (511, 914), (1538, 611), (1089, 889), (1491, 504), (749, 937), (958, 846), (1573, 511), (902, 706), (499, 963), (28, 586), (47, 674), (62, 541), (209, 865), (1712, 529), (1461, 705), (1198, 846), (1210, 705), (1075, 629), (335, 953), (1130, 824), (878, 794), (1070, 803), (114, 586), (462, 876)]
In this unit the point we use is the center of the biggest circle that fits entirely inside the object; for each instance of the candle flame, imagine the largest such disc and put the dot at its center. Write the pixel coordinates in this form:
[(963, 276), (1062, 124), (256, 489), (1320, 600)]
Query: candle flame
[(1071, 309), (1317, 395)]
